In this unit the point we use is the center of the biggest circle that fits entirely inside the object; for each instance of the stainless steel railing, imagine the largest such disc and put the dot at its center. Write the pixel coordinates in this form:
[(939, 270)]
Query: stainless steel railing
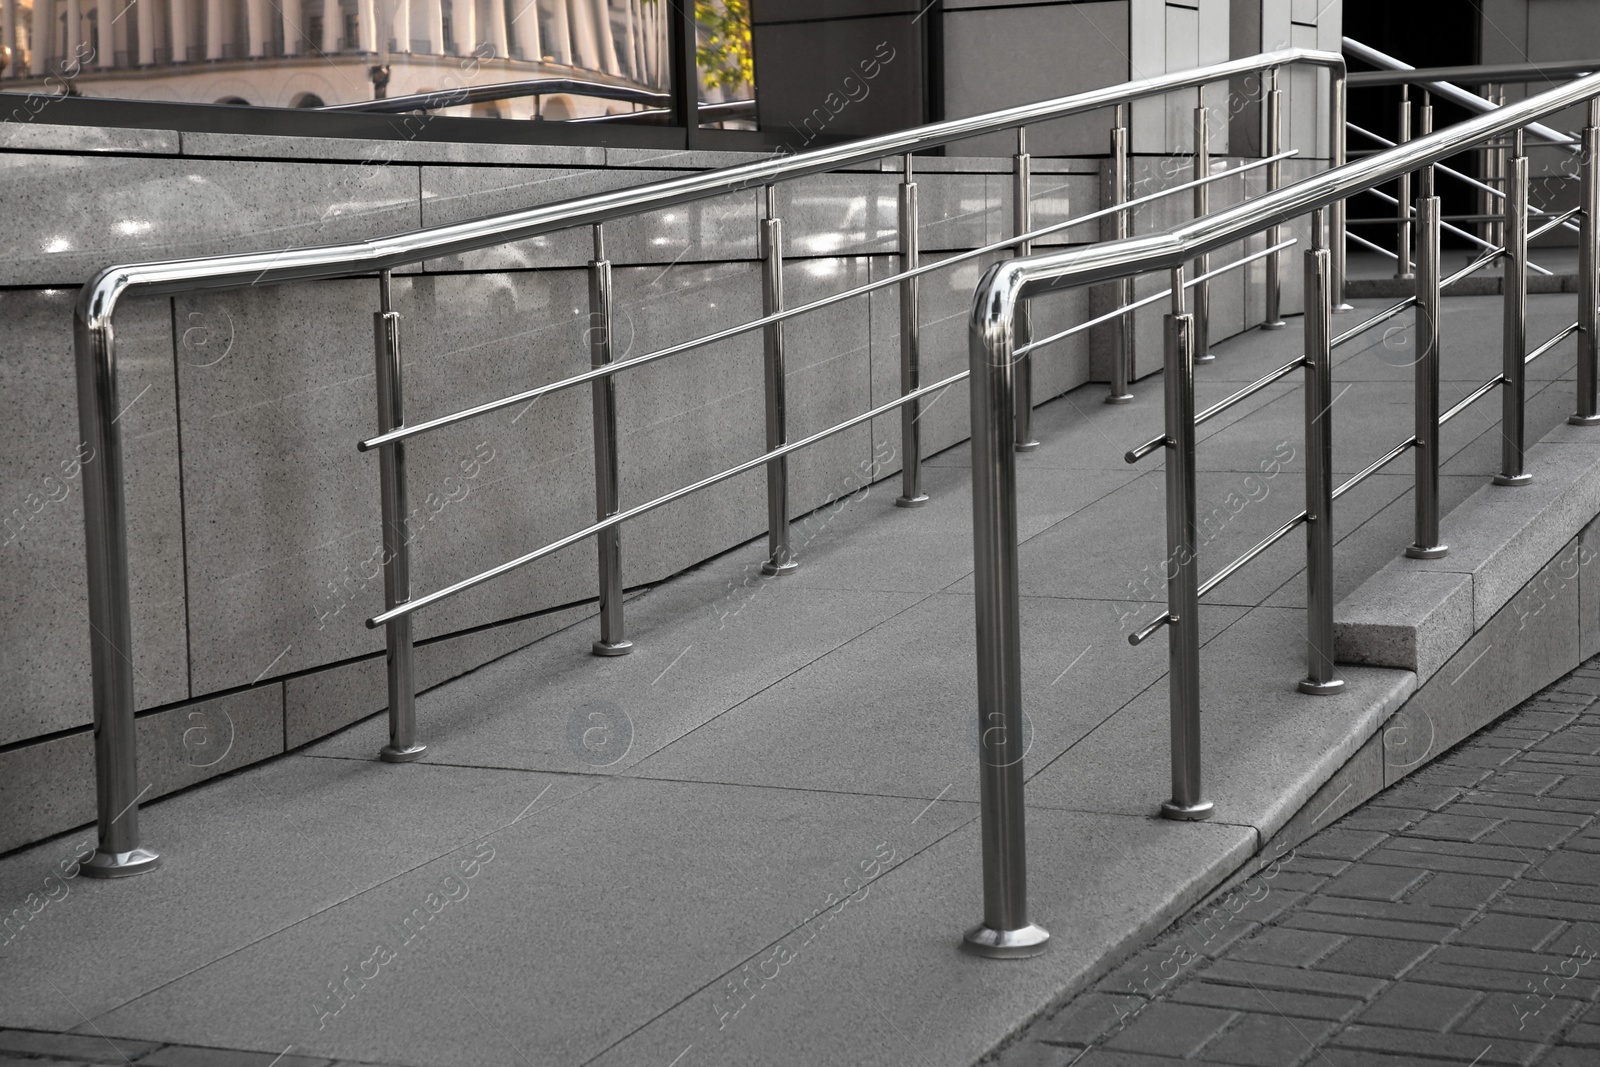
[(119, 851), (995, 348), (1446, 82)]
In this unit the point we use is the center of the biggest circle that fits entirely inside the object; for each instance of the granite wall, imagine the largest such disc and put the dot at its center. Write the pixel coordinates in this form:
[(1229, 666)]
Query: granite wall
[(254, 521)]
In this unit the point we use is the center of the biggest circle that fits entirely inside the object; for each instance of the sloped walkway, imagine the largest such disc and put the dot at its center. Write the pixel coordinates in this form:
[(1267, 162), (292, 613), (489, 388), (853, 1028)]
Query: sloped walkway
[(753, 840), (1452, 918)]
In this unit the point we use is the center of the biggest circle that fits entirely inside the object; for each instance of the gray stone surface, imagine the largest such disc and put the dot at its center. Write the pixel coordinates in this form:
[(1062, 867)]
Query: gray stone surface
[(1405, 617), (44, 631), (251, 854), (1500, 535), (914, 735), (686, 636), (1529, 642), (722, 228), (76, 214), (1259, 768)]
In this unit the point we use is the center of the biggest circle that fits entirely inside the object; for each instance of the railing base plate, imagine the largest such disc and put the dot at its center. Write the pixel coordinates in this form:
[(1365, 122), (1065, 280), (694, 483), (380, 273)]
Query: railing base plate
[(119, 864), (1026, 446), (1186, 812), (771, 569), (1434, 552), (1016, 944), (1279, 325), (618, 648), (1321, 689), (1515, 479), (1583, 420), (390, 754), (910, 501), (1337, 308), (1114, 398)]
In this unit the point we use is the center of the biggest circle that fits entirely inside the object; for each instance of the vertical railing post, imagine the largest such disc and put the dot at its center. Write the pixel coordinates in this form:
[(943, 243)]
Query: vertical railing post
[(1202, 263), (911, 494), (1514, 335), (1319, 677), (1426, 424), (1002, 741), (779, 559), (1425, 177), (1496, 167), (1183, 566), (1587, 411), (394, 500), (1022, 222), (1122, 288), (1337, 132), (1273, 319), (608, 543), (105, 533), (1402, 231)]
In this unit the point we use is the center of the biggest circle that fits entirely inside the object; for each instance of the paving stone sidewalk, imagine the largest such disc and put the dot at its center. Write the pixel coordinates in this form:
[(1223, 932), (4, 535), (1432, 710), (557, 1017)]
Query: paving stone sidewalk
[(1454, 918)]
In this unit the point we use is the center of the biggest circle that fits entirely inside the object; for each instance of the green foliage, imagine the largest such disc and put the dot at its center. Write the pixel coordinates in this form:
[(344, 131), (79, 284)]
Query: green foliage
[(722, 43)]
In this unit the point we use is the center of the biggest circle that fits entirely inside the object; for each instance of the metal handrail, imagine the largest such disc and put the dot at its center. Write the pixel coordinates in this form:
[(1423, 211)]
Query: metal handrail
[(98, 298), (419, 428), (1443, 89), (119, 851), (994, 343), (1482, 74)]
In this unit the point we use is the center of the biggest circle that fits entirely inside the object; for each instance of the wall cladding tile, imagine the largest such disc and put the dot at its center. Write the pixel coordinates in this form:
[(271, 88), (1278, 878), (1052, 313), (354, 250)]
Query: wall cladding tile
[(71, 215), (44, 634)]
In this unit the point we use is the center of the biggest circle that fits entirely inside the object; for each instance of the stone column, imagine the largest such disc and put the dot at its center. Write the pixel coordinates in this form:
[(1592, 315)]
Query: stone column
[(105, 37), (179, 17), (465, 13), (147, 33), (605, 41), (400, 25), (8, 36), (367, 26), (40, 39), (333, 27), (525, 28), (293, 31), (581, 16), (214, 29), (433, 26), (560, 43), (496, 30), (256, 27)]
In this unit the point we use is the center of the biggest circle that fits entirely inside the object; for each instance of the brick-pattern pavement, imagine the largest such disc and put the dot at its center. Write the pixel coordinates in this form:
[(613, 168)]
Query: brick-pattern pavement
[(1453, 918)]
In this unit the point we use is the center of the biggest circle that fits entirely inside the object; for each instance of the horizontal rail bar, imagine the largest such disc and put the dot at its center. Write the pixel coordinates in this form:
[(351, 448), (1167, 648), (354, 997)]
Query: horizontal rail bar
[(1451, 171), (1265, 543), (1139, 637), (1136, 454), (1472, 268), (474, 94), (1389, 457), (1381, 317), (1553, 223), (1548, 345), (622, 516), (1411, 212), (1472, 398), (1443, 89), (1260, 383), (1154, 297), (1482, 74), (97, 300), (417, 429)]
